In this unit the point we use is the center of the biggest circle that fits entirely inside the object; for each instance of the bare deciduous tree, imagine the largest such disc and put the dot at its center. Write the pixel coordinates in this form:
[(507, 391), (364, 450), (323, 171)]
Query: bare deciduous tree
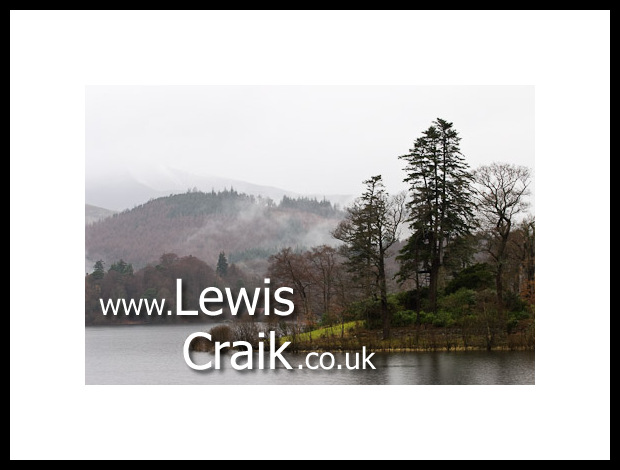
[(501, 193), (293, 270)]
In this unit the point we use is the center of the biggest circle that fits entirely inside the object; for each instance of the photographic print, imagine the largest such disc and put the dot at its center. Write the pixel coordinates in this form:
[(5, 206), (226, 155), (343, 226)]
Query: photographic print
[(380, 235)]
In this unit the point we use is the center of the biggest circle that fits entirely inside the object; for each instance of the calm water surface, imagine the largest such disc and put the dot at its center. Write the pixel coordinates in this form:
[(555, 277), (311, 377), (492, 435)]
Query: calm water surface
[(154, 355)]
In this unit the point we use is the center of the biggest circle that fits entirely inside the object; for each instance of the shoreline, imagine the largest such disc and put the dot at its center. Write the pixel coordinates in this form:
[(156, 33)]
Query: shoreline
[(419, 350)]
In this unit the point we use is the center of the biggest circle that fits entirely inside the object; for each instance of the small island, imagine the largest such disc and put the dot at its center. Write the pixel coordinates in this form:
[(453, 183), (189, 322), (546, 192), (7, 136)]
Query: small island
[(447, 266)]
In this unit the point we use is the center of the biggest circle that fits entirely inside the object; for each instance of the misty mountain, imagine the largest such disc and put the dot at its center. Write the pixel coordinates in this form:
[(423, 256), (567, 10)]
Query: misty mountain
[(247, 228), (127, 189), (94, 213)]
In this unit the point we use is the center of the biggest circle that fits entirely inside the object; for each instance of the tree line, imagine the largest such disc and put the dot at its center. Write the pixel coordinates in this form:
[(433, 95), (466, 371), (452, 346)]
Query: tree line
[(202, 224), (456, 250), (158, 281), (465, 228)]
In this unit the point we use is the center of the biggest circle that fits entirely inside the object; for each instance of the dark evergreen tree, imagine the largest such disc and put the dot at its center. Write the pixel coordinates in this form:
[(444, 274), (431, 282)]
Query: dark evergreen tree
[(222, 265), (122, 267), (414, 258), (98, 270), (440, 209), (368, 231)]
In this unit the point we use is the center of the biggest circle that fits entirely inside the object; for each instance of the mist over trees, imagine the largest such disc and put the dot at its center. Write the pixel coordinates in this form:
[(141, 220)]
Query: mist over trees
[(466, 266), (248, 229)]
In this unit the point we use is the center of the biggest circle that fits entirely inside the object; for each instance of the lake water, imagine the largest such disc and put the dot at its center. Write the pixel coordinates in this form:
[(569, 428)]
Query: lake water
[(154, 355)]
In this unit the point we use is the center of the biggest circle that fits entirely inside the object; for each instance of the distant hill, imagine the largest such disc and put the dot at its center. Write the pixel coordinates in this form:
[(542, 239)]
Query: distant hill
[(94, 213), (247, 228), (126, 190)]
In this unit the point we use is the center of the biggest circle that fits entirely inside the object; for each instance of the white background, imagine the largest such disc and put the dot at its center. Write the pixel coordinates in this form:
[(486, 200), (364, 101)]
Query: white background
[(564, 54)]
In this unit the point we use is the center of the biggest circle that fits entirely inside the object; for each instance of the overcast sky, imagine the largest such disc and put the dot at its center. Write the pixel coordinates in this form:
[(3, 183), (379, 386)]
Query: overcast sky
[(315, 139)]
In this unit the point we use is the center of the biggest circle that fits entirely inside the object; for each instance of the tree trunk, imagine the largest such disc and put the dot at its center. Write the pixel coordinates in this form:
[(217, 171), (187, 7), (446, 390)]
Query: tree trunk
[(385, 312), (499, 287), (433, 284), (418, 295), (386, 319)]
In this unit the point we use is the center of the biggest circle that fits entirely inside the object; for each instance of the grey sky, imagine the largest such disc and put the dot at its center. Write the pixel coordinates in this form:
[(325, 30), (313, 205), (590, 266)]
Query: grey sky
[(306, 139)]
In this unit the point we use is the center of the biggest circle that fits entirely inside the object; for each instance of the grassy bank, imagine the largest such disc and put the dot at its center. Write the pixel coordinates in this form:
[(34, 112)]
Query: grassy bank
[(353, 336), (324, 333), (412, 338)]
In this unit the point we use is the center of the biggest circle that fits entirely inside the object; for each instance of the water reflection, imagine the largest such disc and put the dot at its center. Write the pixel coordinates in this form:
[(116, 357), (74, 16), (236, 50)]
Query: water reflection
[(153, 355)]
